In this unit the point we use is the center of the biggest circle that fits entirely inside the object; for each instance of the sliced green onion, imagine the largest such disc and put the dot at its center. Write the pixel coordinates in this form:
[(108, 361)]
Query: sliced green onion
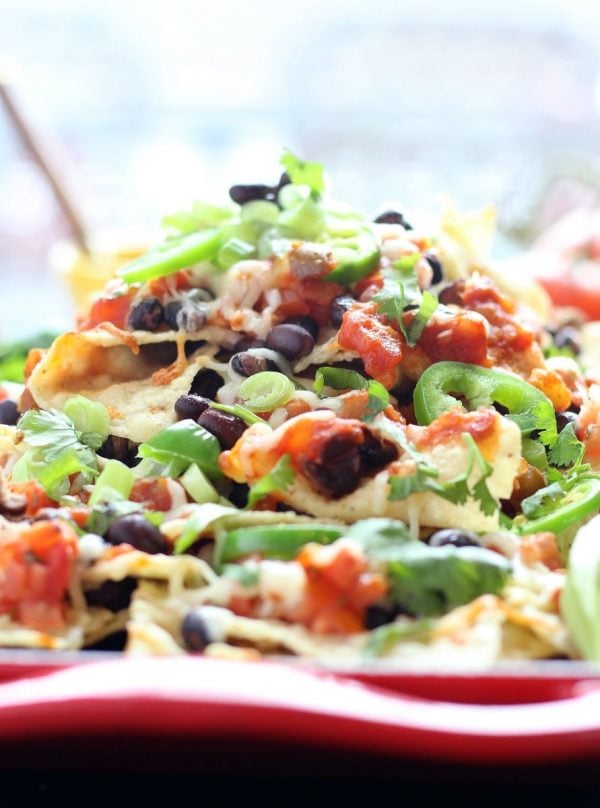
[(90, 419), (305, 221), (234, 250), (304, 172), (54, 476), (172, 256), (259, 210), (114, 483), (241, 412), (265, 391), (534, 453), (292, 195), (200, 216), (274, 242), (197, 485)]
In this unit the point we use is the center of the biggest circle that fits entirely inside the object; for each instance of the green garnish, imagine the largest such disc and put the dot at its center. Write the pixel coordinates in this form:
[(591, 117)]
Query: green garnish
[(302, 172), (90, 419), (279, 478), (56, 450), (266, 391), (400, 291), (568, 450), (180, 445), (114, 483), (457, 491), (342, 379), (580, 600), (427, 581)]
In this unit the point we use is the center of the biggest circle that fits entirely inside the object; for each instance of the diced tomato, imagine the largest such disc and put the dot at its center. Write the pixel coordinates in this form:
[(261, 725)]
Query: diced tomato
[(308, 296), (339, 589), (379, 345), (35, 569), (480, 424), (372, 282), (113, 310), (569, 289), (153, 494), (161, 287), (34, 494), (541, 548), (460, 338)]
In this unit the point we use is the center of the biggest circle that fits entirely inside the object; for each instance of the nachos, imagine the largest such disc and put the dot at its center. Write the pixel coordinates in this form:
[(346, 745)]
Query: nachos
[(293, 429)]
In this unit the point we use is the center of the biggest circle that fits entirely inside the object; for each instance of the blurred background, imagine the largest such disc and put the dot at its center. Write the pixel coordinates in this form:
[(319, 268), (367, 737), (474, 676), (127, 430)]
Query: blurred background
[(148, 104)]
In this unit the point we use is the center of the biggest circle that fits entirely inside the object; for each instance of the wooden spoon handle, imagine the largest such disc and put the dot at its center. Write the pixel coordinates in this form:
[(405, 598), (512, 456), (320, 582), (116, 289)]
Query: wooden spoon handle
[(39, 149)]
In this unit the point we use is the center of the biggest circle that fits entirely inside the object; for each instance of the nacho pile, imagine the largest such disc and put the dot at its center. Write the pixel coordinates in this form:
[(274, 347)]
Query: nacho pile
[(291, 428)]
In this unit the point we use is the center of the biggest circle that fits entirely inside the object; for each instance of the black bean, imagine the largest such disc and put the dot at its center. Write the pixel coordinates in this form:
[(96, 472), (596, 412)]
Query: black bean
[(248, 193), (239, 495), (112, 595), (137, 531), (456, 537), (563, 419), (247, 342), (375, 453), (284, 180), (380, 614), (392, 217), (184, 316), (305, 322), (116, 448), (206, 383), (568, 337), (436, 267), (247, 364), (227, 429), (190, 407), (147, 315), (290, 340), (113, 642), (337, 471), (339, 306), (9, 414), (195, 630)]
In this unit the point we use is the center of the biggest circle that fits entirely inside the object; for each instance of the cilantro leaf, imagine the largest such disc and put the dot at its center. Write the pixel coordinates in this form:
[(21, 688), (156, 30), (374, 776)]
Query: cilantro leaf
[(302, 172), (399, 292), (456, 490), (380, 538), (55, 451), (424, 580), (568, 450), (378, 400), (384, 637), (428, 581), (427, 307), (279, 478)]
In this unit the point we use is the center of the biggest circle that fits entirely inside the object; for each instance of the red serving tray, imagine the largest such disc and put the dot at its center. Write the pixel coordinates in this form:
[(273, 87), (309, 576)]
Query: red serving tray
[(517, 715)]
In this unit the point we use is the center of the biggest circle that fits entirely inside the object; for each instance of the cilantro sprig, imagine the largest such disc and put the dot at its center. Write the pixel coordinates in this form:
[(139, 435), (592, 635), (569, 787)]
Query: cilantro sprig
[(400, 293), (278, 479), (56, 450), (457, 490)]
